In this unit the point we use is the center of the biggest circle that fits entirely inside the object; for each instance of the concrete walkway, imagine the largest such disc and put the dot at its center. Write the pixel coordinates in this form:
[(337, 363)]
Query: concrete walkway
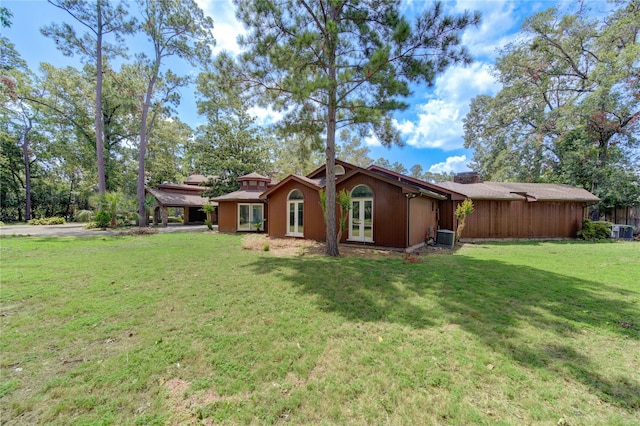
[(77, 230)]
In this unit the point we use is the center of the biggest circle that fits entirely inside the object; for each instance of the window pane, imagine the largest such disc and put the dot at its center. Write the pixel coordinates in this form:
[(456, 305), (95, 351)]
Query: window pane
[(292, 218), (256, 213), (243, 216), (355, 218), (361, 191), (300, 216), (296, 195)]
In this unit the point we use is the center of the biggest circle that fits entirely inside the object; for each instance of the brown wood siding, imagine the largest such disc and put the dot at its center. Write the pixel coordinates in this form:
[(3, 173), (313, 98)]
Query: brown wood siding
[(313, 220), (422, 215), (389, 211), (446, 217), (227, 216), (521, 219)]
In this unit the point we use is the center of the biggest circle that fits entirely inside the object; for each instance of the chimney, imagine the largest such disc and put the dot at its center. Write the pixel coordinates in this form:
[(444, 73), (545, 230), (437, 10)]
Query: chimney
[(467, 177)]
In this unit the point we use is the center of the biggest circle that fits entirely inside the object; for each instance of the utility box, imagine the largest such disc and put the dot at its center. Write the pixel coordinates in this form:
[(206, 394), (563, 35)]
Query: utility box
[(622, 232), (445, 238)]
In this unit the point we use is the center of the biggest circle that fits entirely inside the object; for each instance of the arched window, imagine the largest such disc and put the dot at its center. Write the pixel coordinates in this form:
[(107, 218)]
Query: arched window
[(339, 170), (361, 228), (295, 213)]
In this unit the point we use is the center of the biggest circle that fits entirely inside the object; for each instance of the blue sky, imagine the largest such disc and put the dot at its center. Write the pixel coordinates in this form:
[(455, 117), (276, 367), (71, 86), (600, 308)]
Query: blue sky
[(431, 127)]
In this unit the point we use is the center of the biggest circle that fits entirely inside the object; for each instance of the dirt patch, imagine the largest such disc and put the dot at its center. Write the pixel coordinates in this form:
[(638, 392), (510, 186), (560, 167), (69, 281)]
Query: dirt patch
[(286, 247), (185, 405)]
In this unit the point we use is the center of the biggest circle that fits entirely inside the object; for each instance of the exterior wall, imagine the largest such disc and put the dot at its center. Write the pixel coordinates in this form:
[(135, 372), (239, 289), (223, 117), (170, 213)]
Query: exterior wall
[(227, 216), (422, 215), (314, 228), (389, 211), (521, 219), (446, 216)]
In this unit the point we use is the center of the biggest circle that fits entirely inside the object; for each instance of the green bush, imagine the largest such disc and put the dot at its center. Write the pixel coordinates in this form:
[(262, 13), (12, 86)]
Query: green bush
[(47, 221), (102, 219), (173, 219), (209, 224), (123, 221), (595, 231), (84, 216), (1, 223)]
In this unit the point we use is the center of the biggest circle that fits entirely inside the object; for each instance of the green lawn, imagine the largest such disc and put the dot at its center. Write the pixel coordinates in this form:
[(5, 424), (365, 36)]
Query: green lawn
[(191, 328)]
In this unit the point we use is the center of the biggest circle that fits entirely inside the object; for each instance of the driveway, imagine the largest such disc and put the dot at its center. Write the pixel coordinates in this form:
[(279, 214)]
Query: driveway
[(77, 230)]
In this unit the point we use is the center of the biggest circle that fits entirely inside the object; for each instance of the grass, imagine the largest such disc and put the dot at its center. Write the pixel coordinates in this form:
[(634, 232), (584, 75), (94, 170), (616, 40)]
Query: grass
[(191, 328)]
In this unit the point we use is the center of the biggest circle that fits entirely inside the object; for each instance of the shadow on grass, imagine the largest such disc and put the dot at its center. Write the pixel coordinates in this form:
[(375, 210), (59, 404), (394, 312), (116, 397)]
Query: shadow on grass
[(492, 300)]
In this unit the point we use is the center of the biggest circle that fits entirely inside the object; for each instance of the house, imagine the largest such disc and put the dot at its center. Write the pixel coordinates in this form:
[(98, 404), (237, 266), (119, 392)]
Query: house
[(384, 211), (390, 209), (521, 210), (244, 210), (187, 196)]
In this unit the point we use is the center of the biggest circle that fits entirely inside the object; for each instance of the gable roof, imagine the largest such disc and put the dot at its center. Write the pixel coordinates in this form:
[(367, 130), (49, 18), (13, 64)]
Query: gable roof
[(311, 183), (320, 171), (407, 188), (437, 188), (518, 191), (320, 182)]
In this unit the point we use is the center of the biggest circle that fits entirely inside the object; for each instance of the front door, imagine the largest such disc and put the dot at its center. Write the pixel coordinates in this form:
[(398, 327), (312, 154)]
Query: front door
[(361, 228)]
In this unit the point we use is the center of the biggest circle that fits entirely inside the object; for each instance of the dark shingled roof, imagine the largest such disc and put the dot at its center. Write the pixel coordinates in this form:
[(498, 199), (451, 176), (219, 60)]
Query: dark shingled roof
[(240, 196), (177, 199), (518, 191)]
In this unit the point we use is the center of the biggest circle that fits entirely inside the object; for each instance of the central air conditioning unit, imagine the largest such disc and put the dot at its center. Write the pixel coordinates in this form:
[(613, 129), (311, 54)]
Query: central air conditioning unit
[(622, 232), (445, 238)]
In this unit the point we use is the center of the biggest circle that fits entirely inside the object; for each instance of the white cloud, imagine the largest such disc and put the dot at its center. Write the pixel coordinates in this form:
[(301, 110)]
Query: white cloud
[(438, 122), (226, 28), (265, 116), (372, 140), (454, 164)]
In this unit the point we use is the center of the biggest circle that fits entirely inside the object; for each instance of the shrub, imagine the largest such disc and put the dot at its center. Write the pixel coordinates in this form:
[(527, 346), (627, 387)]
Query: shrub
[(462, 211), (595, 231), (102, 219), (84, 216), (209, 224), (47, 221), (123, 220), (1, 223), (265, 247), (173, 219)]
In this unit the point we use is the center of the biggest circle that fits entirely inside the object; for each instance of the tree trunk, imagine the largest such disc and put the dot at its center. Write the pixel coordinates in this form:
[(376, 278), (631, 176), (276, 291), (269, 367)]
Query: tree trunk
[(330, 217), (102, 186), (142, 212), (27, 170)]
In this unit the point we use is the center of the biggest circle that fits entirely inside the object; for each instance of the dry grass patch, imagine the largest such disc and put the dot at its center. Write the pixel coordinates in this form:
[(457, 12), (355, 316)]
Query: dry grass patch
[(285, 247)]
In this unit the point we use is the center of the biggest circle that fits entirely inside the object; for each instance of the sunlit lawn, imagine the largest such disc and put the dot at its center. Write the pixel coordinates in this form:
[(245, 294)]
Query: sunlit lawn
[(191, 328)]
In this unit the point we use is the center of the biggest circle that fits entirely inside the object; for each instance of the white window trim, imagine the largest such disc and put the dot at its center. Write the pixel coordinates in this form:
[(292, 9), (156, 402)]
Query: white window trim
[(295, 203), (251, 227), (361, 201)]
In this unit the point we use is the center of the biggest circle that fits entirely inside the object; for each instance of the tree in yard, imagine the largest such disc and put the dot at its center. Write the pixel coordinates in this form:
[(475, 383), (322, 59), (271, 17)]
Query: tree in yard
[(463, 210), (569, 109), (100, 18), (229, 148), (336, 64), (174, 28), (352, 151)]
